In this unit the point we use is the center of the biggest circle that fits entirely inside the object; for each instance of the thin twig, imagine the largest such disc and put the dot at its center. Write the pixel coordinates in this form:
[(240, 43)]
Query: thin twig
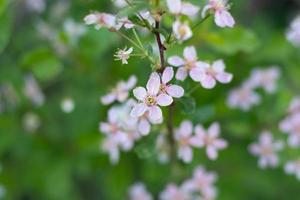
[(161, 48)]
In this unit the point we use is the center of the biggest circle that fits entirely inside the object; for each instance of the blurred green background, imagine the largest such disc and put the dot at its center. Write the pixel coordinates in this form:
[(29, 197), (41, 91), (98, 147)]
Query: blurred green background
[(61, 159)]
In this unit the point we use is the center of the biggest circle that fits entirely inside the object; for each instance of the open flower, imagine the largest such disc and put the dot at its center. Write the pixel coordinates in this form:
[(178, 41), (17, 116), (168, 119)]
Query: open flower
[(183, 136), (150, 99), (293, 167), (293, 33), (291, 125), (177, 7), (123, 55), (222, 17), (124, 22), (173, 192), (243, 98), (182, 31), (138, 192), (170, 89), (120, 92), (202, 182), (209, 139), (266, 149), (100, 20), (189, 65), (210, 74)]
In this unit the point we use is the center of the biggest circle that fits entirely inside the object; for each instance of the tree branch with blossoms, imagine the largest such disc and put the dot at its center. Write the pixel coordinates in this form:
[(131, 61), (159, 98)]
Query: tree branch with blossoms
[(131, 120)]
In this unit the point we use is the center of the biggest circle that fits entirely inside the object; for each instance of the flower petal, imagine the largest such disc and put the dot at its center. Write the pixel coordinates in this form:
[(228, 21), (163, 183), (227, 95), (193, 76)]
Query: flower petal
[(224, 77), (164, 100), (175, 91), (108, 99), (155, 113), (144, 127), (176, 61), (153, 84), (190, 53), (138, 110), (207, 81), (211, 152), (186, 128), (181, 74), (196, 73), (174, 6), (214, 130), (167, 75), (140, 93)]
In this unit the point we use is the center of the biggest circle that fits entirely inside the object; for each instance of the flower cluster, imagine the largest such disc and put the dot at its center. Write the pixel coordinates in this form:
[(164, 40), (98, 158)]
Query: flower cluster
[(266, 149), (202, 138), (245, 96), (293, 33), (200, 186)]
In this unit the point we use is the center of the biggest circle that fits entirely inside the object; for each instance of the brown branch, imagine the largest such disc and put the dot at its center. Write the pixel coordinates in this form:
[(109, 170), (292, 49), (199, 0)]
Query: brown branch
[(161, 47)]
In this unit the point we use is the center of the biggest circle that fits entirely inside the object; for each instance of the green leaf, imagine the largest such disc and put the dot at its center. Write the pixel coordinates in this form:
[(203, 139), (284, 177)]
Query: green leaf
[(5, 27), (3, 4), (43, 63), (187, 104), (232, 41)]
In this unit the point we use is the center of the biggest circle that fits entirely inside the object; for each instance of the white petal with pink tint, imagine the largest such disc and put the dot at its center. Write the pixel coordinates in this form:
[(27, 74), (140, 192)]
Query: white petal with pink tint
[(208, 82), (175, 91), (164, 100), (214, 130), (211, 152), (108, 99), (189, 9), (181, 74), (174, 6), (155, 113), (176, 61), (167, 75), (140, 93), (185, 153), (224, 77), (144, 127), (196, 73), (138, 110), (153, 84), (190, 53)]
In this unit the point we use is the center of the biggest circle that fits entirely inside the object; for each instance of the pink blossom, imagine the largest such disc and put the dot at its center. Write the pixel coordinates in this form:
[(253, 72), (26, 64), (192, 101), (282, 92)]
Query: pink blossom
[(243, 98), (189, 65), (172, 192), (177, 7), (202, 182), (150, 99), (294, 106), (170, 89), (291, 125), (144, 123), (210, 74), (183, 136), (209, 139), (100, 20), (265, 78), (266, 150), (138, 192), (110, 145), (182, 31), (293, 167), (293, 33), (222, 17), (120, 92)]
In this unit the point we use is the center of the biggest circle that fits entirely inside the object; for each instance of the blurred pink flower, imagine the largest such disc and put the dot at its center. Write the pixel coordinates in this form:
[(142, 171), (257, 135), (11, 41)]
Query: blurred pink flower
[(210, 74), (120, 92), (291, 125), (209, 139), (177, 7), (189, 65), (100, 20), (183, 136), (293, 33), (295, 105), (202, 182), (138, 192), (243, 98), (124, 22), (150, 99), (266, 150), (293, 167), (222, 17), (172, 192), (170, 89)]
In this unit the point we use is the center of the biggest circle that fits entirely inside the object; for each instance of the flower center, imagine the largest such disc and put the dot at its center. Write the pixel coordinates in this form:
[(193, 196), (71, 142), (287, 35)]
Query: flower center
[(190, 65), (163, 88), (150, 101), (182, 30), (267, 150)]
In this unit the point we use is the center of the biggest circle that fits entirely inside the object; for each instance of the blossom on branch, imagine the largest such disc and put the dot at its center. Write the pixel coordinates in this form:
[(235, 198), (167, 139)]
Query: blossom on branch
[(100, 20), (123, 55)]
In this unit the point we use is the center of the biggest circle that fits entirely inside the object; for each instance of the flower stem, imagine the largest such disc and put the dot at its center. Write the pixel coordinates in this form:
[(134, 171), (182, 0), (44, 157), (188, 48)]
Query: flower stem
[(161, 48)]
